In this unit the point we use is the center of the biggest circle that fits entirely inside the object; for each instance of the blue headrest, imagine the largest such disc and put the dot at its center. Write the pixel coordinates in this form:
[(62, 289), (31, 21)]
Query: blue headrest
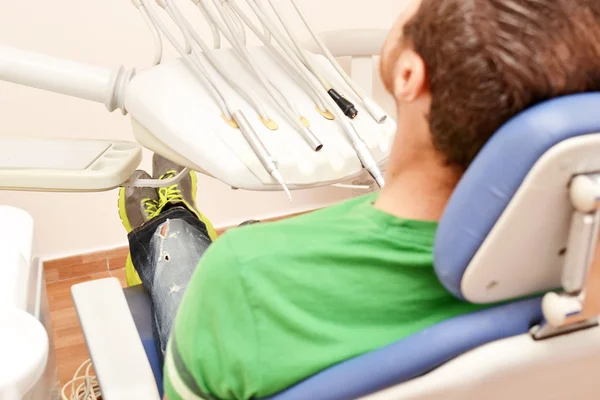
[(497, 172)]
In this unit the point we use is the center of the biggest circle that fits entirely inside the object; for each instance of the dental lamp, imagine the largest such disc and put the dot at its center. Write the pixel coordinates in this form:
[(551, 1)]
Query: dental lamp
[(262, 118)]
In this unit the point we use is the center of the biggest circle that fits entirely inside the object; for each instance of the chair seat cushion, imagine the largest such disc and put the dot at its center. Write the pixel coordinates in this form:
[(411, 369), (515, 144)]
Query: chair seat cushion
[(417, 354), (140, 305)]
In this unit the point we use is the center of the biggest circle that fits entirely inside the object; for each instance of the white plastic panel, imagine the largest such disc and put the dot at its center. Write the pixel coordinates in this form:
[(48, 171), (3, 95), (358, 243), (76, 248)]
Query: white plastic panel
[(564, 367), (113, 341), (174, 115), (16, 242), (524, 253), (24, 343), (66, 164), (16, 153), (351, 42), (24, 352)]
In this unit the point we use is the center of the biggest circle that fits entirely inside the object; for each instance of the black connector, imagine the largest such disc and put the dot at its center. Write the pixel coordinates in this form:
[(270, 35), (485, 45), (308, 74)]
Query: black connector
[(346, 106)]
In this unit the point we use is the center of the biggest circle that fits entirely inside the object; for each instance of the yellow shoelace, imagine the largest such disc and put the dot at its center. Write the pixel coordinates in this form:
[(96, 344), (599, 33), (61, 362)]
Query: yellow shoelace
[(165, 195), (151, 208), (169, 194)]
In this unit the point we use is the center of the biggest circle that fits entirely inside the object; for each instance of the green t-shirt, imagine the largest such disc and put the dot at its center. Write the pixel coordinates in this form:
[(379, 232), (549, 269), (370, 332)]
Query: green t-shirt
[(271, 304)]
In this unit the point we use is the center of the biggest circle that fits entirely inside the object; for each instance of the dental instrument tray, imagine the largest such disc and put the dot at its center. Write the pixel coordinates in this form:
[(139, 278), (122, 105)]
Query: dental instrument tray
[(66, 164), (174, 115)]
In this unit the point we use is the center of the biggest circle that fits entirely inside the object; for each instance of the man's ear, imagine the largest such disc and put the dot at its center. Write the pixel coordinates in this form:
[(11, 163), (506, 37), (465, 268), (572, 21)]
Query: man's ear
[(409, 76)]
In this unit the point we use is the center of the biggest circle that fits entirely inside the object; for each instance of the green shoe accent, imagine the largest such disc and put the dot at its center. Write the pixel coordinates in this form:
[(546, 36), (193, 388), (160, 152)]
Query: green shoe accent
[(131, 275)]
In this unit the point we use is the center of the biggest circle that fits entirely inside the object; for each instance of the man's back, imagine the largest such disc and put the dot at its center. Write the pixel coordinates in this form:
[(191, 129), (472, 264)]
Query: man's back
[(271, 304)]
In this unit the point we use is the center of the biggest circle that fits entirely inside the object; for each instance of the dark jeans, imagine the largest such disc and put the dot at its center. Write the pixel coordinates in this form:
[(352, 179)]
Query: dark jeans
[(165, 252)]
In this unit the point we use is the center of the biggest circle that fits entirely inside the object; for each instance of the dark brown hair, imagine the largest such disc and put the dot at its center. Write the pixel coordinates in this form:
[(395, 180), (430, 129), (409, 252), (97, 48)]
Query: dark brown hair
[(487, 60)]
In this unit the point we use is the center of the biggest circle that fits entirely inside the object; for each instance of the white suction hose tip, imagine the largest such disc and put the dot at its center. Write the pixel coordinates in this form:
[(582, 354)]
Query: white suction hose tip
[(375, 110), (277, 176)]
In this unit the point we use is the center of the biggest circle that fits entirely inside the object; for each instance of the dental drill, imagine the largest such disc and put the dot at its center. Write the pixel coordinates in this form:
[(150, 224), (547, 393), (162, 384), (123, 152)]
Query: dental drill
[(266, 159)]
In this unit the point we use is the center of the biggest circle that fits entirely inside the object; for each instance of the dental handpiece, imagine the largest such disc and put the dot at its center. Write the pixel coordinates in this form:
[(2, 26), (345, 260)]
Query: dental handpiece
[(266, 159), (364, 155), (369, 162)]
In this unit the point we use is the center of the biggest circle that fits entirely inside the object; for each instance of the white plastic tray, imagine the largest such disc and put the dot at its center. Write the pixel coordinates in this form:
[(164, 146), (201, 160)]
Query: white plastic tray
[(66, 164)]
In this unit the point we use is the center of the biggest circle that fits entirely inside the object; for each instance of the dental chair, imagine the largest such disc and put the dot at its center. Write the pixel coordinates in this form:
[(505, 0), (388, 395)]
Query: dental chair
[(522, 222)]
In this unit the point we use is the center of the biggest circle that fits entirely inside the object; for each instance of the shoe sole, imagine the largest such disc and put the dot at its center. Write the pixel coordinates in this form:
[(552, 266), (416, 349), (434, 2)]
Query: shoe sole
[(123, 210)]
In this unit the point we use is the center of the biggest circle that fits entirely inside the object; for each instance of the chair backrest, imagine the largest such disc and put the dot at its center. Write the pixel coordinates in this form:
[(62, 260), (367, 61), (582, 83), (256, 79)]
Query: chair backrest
[(503, 234)]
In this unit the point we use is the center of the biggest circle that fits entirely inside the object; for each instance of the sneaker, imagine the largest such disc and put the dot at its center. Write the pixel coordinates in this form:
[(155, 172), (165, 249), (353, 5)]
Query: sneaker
[(183, 192), (137, 205)]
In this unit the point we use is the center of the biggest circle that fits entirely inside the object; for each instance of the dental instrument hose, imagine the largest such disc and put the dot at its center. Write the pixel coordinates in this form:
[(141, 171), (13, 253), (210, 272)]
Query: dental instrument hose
[(301, 79), (280, 39), (172, 10), (359, 146), (239, 44), (374, 109), (248, 132), (312, 140), (346, 106), (213, 26), (266, 159), (198, 70), (153, 29)]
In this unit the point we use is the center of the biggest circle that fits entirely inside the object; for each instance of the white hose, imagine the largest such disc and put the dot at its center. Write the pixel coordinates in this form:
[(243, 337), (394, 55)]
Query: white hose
[(294, 118), (198, 70), (213, 26), (309, 64), (355, 88), (155, 35), (301, 79), (277, 35), (241, 31), (189, 32)]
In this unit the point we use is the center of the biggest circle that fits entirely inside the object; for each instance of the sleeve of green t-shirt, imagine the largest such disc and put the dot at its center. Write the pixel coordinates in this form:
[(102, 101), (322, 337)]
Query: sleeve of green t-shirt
[(212, 353)]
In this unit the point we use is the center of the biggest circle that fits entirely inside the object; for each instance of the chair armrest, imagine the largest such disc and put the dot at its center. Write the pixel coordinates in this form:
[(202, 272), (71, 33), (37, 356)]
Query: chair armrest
[(114, 344), (351, 42)]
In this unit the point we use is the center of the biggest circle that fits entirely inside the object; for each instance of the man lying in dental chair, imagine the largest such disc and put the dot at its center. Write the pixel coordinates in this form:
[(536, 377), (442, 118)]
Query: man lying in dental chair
[(270, 304)]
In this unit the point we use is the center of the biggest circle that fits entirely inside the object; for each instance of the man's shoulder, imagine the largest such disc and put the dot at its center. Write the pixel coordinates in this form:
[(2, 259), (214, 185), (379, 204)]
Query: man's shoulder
[(287, 235)]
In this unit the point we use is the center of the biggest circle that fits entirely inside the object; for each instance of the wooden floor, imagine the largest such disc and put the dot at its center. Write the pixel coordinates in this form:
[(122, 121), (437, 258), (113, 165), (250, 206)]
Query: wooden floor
[(71, 350)]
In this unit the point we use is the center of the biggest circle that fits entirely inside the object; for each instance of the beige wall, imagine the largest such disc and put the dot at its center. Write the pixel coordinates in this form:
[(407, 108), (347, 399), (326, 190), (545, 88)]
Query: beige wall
[(110, 33)]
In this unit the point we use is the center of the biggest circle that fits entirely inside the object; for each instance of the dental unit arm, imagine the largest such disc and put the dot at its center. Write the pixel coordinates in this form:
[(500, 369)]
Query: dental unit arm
[(65, 164), (49, 73)]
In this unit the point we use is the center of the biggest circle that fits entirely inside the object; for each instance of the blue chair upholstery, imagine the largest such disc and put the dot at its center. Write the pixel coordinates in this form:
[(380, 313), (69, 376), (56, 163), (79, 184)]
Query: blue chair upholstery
[(477, 203), (417, 354)]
